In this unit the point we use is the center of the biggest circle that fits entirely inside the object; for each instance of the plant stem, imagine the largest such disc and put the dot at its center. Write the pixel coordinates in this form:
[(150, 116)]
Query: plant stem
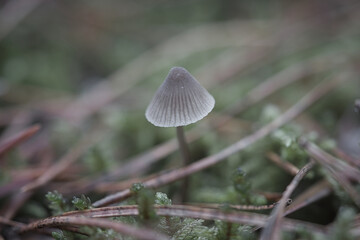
[(185, 154)]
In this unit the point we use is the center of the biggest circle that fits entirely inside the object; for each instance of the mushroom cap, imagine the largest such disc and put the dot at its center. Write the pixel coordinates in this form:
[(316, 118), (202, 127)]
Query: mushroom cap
[(179, 101)]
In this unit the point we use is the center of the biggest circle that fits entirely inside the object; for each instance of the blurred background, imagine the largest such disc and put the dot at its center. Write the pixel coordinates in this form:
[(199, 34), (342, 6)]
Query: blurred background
[(76, 66), (71, 60)]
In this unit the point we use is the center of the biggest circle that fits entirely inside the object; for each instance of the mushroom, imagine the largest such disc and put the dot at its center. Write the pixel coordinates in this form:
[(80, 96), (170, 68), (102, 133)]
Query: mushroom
[(179, 101)]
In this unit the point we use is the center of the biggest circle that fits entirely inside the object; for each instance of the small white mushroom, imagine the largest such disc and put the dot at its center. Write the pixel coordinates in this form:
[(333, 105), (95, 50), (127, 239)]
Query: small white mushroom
[(179, 101)]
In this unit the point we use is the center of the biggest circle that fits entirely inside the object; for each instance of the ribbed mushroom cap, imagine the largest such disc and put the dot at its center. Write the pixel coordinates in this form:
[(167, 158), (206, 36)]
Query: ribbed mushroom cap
[(179, 101)]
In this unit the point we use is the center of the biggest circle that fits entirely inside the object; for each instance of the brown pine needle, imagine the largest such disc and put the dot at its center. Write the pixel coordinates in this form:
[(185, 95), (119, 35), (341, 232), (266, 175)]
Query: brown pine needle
[(206, 162), (122, 228), (185, 211), (11, 223), (12, 142), (287, 166), (238, 207), (272, 229), (339, 170), (314, 193)]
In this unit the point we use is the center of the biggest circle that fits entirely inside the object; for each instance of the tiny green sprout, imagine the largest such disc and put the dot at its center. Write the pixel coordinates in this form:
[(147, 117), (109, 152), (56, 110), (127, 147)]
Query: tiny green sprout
[(162, 199), (59, 235), (225, 207), (81, 203), (145, 199), (240, 181), (57, 203), (342, 227), (136, 187)]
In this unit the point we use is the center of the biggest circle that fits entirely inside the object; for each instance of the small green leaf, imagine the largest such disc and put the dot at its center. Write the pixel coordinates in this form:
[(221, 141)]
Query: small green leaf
[(81, 203), (57, 203)]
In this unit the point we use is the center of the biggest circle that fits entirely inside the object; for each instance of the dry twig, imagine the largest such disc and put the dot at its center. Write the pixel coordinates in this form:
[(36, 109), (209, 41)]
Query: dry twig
[(122, 228), (179, 211), (339, 170), (314, 193), (273, 226), (287, 166), (10, 143)]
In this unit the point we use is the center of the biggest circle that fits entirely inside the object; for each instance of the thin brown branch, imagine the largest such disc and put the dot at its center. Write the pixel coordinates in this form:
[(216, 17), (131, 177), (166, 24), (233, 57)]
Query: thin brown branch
[(339, 170), (237, 207), (139, 233), (314, 193), (278, 81), (185, 211), (11, 223), (273, 227), (206, 162), (357, 105), (287, 166), (349, 159), (330, 161), (270, 196), (12, 142)]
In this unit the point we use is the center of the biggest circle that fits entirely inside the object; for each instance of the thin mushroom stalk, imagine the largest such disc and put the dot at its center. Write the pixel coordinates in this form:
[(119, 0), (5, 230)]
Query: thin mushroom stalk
[(183, 145), (179, 101), (185, 154)]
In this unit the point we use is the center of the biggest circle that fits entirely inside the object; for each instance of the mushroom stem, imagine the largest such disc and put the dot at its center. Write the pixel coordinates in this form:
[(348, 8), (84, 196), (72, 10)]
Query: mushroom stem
[(185, 154), (184, 149)]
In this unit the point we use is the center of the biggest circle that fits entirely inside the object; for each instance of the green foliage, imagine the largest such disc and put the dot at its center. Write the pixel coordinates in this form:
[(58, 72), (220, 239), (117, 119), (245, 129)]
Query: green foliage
[(4, 176), (240, 182), (211, 195), (242, 186), (286, 138), (57, 203), (95, 160), (245, 232), (193, 229), (137, 187), (224, 230), (231, 231), (343, 223), (167, 225), (304, 234), (269, 113), (327, 144), (162, 199), (65, 235), (59, 235), (81, 203), (145, 199), (35, 209)]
